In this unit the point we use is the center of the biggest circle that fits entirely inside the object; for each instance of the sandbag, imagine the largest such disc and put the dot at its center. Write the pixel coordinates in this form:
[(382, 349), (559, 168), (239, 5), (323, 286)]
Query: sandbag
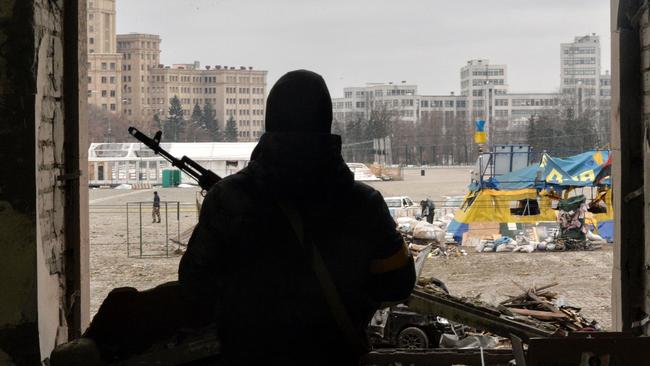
[(425, 231)]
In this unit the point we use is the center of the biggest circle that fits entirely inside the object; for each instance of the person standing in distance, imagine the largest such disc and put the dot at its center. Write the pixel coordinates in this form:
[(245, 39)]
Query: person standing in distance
[(324, 251), (155, 213)]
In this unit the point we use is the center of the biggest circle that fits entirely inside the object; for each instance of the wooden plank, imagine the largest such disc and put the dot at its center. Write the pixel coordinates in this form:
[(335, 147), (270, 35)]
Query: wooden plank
[(539, 314)]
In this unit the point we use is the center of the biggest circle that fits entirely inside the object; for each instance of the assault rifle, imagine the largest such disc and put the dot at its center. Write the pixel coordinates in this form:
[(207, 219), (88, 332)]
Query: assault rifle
[(205, 177)]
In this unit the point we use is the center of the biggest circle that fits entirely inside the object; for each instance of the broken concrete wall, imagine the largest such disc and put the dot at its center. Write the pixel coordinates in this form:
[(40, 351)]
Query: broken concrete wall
[(33, 182), (631, 163), (644, 31)]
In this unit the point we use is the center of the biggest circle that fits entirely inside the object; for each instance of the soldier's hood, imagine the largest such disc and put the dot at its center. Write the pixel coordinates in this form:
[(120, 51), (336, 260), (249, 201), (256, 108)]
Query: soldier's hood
[(302, 166)]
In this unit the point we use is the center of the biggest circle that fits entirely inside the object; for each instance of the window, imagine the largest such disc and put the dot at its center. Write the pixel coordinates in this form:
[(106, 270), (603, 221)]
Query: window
[(91, 40), (477, 103), (104, 66), (104, 93), (113, 107), (112, 93), (501, 102), (112, 65), (104, 79), (525, 207)]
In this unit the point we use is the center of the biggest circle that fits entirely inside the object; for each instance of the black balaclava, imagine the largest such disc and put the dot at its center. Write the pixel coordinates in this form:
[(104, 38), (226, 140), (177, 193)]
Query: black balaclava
[(299, 102)]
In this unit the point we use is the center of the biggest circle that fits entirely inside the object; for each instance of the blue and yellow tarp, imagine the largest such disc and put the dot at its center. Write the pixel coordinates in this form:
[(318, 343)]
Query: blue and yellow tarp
[(494, 201), (575, 171)]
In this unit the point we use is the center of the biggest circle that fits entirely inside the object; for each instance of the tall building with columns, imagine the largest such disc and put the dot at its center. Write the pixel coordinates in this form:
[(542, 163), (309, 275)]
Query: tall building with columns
[(104, 62), (126, 76)]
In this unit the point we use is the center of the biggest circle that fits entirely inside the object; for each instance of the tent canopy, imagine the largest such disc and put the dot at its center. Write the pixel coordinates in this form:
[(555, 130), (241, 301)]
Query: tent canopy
[(579, 170)]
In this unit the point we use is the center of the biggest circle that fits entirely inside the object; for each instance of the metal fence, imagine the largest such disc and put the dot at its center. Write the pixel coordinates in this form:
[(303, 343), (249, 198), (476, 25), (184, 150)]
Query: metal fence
[(150, 238)]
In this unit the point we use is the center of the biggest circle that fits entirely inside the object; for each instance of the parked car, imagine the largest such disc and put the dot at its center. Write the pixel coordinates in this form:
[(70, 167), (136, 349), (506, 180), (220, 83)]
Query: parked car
[(402, 206)]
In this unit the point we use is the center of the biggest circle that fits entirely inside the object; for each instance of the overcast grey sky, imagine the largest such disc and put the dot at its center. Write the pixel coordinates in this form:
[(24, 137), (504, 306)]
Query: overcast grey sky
[(358, 41)]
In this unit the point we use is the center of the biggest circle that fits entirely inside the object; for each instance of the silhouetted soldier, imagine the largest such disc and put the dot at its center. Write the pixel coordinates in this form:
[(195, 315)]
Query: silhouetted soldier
[(155, 212), (295, 255)]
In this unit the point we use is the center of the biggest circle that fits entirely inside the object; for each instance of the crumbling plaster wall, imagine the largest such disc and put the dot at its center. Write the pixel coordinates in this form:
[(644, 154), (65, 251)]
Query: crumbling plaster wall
[(644, 30), (32, 199)]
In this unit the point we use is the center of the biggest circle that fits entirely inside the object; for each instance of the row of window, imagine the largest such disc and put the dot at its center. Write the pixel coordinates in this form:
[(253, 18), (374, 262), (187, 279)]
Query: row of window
[(580, 61), (248, 123), (579, 50), (250, 133), (576, 81), (534, 102), (134, 44), (481, 82), (112, 107), (245, 79), (104, 80)]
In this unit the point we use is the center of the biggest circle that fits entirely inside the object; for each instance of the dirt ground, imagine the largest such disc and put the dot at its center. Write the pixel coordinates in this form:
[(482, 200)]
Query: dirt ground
[(584, 277)]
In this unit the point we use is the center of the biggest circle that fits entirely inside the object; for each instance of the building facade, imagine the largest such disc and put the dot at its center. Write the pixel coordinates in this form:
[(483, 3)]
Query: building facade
[(104, 63), (140, 54), (234, 92), (580, 67), (125, 76), (360, 102), (484, 93)]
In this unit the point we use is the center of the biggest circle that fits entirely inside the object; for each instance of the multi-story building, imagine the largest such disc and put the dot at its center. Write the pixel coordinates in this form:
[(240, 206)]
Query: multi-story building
[(234, 92), (125, 76), (104, 63), (359, 102), (484, 92), (480, 82), (484, 95), (140, 54), (580, 70)]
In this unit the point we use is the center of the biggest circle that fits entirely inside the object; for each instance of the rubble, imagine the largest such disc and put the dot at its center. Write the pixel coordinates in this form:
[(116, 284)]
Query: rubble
[(534, 313), (544, 305)]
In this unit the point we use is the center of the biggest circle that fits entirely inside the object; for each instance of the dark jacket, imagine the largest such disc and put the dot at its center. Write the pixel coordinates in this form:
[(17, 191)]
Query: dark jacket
[(244, 257)]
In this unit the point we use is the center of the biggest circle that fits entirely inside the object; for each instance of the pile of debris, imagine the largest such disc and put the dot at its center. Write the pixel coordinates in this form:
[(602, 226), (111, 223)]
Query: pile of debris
[(527, 244), (420, 234), (535, 312), (542, 305)]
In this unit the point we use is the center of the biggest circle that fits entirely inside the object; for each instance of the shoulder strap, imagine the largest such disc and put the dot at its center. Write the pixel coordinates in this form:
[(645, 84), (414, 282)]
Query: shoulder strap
[(332, 296)]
